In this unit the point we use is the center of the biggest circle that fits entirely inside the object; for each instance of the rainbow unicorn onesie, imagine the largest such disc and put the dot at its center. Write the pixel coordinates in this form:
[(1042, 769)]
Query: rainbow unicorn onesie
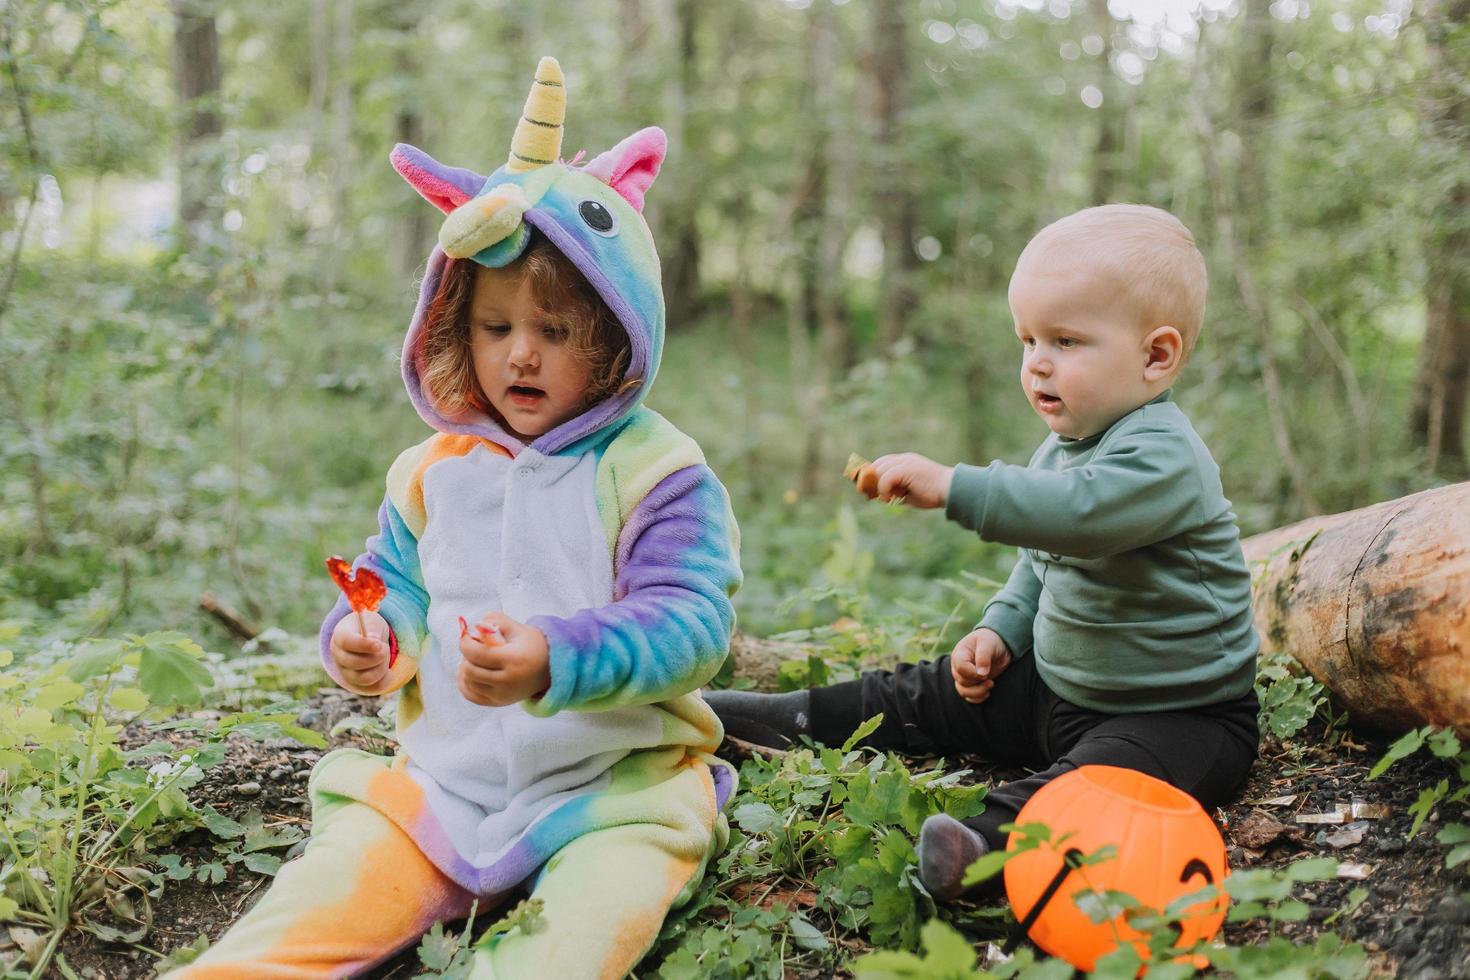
[(608, 533)]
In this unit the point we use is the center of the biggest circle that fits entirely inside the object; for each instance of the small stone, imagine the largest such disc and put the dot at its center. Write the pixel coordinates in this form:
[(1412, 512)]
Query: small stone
[(280, 774), (1390, 845), (301, 775), (309, 718), (247, 789), (297, 849)]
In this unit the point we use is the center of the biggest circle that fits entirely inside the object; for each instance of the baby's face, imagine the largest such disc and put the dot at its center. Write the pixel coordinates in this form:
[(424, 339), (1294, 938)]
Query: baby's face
[(1083, 349), (532, 380)]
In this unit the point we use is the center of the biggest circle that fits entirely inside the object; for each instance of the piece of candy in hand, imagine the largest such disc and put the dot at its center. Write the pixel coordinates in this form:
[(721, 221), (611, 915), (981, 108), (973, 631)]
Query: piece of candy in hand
[(488, 633), (364, 589), (862, 474)]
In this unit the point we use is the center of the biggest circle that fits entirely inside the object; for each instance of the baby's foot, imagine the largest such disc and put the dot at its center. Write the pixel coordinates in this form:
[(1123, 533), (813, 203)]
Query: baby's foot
[(946, 848), (774, 720)]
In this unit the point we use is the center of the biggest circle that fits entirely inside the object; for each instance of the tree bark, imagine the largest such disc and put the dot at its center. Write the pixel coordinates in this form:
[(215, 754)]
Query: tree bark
[(415, 236), (197, 85), (893, 197), (1112, 118), (1375, 603), (680, 238), (1437, 414)]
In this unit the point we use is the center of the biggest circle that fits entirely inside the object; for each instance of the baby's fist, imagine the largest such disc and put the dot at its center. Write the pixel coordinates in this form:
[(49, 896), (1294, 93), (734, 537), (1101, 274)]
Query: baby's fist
[(912, 479), (976, 662)]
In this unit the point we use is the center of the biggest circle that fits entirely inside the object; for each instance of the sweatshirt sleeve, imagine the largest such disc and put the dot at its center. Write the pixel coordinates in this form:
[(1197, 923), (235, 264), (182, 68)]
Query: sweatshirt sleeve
[(1012, 611), (668, 629), (1142, 487), (394, 554)]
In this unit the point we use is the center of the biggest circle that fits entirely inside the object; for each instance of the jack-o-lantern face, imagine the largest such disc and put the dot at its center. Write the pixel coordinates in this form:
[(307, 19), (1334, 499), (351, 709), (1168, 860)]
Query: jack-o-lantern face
[(1167, 847)]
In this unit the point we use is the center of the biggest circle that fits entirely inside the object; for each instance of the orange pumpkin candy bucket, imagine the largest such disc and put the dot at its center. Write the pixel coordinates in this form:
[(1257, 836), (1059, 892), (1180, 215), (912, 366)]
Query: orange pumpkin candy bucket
[(1166, 847)]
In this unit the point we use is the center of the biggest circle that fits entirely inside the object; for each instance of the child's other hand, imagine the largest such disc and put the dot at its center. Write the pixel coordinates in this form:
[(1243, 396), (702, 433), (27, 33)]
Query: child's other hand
[(497, 674), (976, 662), (363, 660), (912, 479)]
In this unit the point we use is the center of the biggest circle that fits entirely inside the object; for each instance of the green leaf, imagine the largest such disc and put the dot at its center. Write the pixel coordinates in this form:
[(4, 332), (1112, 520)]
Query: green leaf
[(95, 659), (222, 826), (266, 864), (756, 818), (806, 935), (128, 699), (1403, 748), (1312, 869), (986, 867), (1445, 744), (863, 731), (169, 671), (57, 693)]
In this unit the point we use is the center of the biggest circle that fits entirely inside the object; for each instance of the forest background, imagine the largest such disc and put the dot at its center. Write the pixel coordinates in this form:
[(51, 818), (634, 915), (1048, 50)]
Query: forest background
[(207, 265)]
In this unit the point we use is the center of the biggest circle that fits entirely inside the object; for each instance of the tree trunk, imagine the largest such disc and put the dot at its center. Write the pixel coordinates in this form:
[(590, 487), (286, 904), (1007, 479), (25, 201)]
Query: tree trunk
[(893, 197), (1375, 603), (1242, 218), (415, 237), (1111, 119), (680, 236), (1437, 415), (815, 306), (197, 85)]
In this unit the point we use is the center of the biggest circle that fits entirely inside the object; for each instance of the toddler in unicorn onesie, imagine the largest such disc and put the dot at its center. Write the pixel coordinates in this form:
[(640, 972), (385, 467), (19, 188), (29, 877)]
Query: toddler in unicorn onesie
[(559, 563)]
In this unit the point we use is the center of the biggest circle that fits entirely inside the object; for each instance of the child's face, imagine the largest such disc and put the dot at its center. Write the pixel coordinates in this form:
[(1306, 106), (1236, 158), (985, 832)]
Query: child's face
[(521, 360), (1085, 358)]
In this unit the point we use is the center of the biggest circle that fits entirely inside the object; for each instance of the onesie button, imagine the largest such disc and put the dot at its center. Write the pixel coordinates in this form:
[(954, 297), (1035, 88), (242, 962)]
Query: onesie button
[(525, 472)]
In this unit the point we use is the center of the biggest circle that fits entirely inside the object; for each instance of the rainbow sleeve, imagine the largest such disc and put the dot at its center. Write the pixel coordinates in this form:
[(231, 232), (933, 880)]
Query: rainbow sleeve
[(668, 629), (394, 554)]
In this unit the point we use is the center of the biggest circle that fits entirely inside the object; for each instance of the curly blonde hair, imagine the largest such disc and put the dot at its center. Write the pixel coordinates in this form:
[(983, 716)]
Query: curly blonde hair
[(560, 292)]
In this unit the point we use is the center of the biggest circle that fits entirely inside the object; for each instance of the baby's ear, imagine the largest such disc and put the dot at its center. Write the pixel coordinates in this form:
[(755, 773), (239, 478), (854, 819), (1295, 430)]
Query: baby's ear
[(629, 167), (444, 187)]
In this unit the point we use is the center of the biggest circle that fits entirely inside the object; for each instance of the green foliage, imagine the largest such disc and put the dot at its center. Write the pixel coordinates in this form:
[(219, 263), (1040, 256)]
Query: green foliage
[(833, 827), (450, 956), (84, 814), (1444, 744)]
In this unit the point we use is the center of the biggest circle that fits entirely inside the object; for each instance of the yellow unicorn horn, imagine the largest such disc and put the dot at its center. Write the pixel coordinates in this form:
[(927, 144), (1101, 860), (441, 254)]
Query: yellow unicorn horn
[(537, 140)]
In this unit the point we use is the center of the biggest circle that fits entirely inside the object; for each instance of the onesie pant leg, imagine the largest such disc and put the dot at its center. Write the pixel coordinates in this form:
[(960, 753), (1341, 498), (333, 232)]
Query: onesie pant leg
[(361, 891), (606, 895)]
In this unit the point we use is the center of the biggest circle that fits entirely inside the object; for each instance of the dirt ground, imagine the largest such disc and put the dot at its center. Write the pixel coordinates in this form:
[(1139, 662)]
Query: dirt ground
[(1414, 922)]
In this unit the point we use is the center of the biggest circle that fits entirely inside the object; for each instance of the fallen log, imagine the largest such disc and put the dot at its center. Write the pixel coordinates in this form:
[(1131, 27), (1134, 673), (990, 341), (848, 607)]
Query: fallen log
[(1375, 604)]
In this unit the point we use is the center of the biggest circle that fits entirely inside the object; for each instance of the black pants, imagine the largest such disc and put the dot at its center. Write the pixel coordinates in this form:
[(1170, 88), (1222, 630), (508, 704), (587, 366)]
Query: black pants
[(1205, 751)]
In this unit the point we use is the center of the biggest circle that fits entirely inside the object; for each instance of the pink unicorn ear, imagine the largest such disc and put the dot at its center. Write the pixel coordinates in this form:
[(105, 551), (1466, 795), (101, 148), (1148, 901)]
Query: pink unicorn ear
[(444, 187), (629, 167)]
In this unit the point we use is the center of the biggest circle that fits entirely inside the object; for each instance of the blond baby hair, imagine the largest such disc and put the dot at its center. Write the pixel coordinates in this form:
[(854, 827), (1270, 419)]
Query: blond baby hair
[(1146, 251)]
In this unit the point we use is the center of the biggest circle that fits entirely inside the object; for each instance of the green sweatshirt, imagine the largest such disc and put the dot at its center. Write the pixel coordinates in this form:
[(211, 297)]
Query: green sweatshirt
[(1131, 588)]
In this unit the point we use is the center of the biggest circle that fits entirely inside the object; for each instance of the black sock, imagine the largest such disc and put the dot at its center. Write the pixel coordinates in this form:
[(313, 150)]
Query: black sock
[(774, 720), (946, 848)]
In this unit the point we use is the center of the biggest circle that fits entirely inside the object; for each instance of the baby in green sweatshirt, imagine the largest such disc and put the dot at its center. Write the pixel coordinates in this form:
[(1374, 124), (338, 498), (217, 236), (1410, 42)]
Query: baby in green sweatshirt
[(1124, 634)]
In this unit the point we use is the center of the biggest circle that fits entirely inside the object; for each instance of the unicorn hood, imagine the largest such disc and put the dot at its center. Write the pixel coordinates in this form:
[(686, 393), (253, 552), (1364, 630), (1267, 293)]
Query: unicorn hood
[(593, 214)]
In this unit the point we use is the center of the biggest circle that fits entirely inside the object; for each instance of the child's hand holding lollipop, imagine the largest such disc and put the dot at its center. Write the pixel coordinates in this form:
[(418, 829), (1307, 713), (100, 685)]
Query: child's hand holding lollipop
[(505, 661), (362, 645)]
